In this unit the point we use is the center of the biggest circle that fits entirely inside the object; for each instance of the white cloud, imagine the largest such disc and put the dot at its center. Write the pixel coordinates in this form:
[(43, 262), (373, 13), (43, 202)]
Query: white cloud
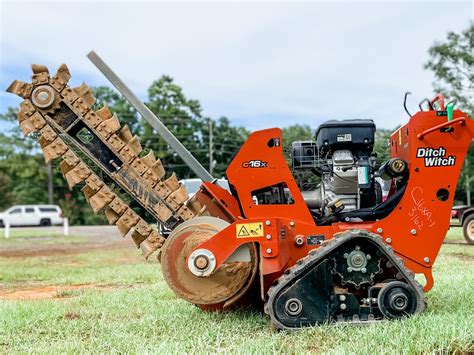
[(261, 64)]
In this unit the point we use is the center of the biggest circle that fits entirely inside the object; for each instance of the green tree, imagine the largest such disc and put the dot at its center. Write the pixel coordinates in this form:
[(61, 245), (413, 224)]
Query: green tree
[(452, 63), (23, 175)]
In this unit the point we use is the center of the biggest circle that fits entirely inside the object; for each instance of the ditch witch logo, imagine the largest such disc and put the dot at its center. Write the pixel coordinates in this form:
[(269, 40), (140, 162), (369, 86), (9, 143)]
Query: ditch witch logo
[(435, 157)]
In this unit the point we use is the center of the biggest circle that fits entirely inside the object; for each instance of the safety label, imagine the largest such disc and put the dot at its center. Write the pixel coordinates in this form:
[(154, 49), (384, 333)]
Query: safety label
[(249, 230)]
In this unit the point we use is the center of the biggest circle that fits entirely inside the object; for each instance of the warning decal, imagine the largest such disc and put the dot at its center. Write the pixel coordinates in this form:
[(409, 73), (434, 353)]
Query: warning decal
[(249, 230)]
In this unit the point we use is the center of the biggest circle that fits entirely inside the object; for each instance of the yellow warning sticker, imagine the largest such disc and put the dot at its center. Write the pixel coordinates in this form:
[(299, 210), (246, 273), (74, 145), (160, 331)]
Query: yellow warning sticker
[(249, 230)]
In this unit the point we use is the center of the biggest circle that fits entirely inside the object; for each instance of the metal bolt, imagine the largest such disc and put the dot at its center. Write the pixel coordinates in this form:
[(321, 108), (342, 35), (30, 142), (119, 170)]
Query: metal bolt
[(345, 255), (342, 298), (268, 237), (357, 247), (426, 259), (363, 270), (43, 96), (388, 240), (267, 223), (349, 269), (368, 256), (343, 306), (269, 251), (379, 230), (299, 241), (413, 231), (292, 223)]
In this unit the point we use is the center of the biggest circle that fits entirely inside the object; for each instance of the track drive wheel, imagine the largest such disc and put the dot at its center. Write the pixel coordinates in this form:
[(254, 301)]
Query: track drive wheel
[(223, 287)]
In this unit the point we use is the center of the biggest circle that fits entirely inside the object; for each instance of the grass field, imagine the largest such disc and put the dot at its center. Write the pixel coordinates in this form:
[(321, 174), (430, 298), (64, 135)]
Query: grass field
[(91, 294)]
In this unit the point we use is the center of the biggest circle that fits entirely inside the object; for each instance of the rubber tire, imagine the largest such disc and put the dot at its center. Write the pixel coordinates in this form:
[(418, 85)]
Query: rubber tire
[(45, 222), (465, 226)]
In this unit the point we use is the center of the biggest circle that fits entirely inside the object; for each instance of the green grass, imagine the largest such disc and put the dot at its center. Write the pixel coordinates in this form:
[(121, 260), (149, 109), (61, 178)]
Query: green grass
[(136, 312)]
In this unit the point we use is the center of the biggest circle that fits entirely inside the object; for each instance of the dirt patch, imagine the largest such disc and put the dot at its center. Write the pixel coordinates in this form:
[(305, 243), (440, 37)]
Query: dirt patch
[(463, 257), (457, 242), (33, 251), (71, 316), (49, 292)]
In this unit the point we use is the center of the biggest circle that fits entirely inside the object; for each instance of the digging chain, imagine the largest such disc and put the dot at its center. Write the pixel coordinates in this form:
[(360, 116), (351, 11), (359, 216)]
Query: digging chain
[(54, 110)]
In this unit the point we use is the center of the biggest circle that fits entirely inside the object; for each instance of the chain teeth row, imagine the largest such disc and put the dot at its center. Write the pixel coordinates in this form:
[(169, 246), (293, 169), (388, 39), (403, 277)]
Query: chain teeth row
[(39, 113)]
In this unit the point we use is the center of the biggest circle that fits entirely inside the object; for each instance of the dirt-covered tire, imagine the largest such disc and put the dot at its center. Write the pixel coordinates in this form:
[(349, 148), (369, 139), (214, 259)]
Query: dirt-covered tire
[(468, 229), (45, 222)]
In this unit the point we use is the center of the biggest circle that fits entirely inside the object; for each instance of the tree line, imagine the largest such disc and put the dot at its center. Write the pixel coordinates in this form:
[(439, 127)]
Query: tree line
[(24, 176)]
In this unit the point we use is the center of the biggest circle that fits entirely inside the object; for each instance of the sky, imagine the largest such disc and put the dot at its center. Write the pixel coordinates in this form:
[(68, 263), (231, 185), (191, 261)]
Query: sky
[(262, 65)]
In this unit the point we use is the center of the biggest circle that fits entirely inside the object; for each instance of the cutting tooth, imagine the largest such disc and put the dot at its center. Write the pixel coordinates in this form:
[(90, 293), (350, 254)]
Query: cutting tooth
[(48, 134), (139, 166), (128, 220), (141, 231), (92, 185), (27, 108), (163, 212), (65, 167), (61, 78), (93, 118), (40, 74), (116, 142), (81, 106), (127, 154), (162, 189), (38, 69), (138, 238), (172, 182), (54, 150), (114, 210), (71, 158), (111, 215), (151, 244), (135, 145), (86, 94), (20, 88), (149, 159), (104, 112), (109, 126), (102, 198), (118, 206), (158, 169), (124, 134), (155, 171), (69, 95), (185, 213), (76, 175), (179, 196), (33, 123), (194, 205)]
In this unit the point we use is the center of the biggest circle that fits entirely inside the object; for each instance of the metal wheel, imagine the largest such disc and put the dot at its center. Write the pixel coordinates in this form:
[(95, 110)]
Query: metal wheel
[(468, 229), (397, 299), (222, 287)]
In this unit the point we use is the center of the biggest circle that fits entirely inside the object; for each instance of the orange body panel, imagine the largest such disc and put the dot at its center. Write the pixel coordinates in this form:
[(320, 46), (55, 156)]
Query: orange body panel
[(415, 228)]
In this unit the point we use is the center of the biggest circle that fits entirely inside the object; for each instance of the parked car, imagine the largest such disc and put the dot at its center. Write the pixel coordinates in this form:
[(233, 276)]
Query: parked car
[(32, 215), (465, 217)]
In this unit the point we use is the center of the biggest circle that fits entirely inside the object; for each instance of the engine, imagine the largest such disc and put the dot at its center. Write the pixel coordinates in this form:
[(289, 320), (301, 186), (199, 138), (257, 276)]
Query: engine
[(341, 159)]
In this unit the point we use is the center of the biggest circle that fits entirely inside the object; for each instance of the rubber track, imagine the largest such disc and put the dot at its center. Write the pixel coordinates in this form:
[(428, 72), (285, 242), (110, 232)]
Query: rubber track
[(37, 115), (316, 255)]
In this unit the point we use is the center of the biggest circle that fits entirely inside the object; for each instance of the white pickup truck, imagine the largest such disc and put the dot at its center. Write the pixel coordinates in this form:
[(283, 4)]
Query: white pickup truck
[(32, 215)]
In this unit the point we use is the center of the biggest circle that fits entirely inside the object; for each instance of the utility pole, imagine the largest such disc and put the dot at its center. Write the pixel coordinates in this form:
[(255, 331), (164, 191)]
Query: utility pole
[(49, 169), (211, 158)]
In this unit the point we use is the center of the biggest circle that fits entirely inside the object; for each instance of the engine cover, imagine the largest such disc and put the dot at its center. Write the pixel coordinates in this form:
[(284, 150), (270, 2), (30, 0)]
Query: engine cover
[(355, 135)]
